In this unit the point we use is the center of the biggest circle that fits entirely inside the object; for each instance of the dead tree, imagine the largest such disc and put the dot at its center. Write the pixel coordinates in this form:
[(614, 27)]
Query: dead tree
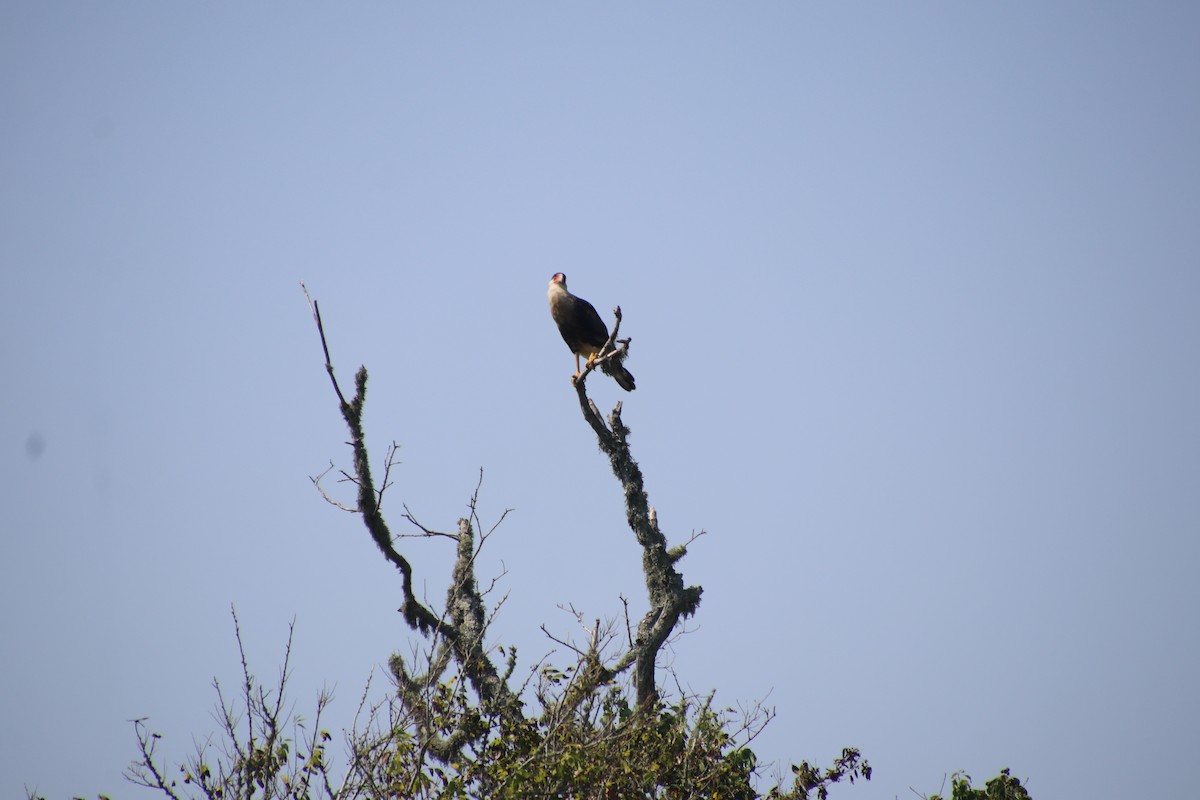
[(459, 629), (456, 725)]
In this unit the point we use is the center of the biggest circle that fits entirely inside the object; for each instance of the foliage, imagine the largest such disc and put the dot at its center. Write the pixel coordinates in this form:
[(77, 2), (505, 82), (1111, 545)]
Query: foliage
[(601, 748), (1002, 787), (809, 779)]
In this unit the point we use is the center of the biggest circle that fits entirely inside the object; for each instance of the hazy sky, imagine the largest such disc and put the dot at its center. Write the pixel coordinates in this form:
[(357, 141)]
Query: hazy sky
[(914, 293)]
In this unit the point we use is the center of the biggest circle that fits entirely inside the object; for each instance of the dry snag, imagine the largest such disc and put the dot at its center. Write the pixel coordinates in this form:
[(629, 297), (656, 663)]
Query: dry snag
[(456, 724), (459, 631), (462, 626)]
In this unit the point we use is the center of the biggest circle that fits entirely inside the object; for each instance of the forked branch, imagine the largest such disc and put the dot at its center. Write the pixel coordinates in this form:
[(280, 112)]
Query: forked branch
[(612, 353), (460, 630)]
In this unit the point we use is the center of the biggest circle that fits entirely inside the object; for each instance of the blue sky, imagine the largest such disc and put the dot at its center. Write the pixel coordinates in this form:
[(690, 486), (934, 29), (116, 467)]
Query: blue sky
[(914, 293)]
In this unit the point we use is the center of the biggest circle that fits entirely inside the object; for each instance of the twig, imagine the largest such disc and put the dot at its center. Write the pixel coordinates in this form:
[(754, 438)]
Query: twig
[(388, 463), (563, 642), (628, 624), (608, 351), (316, 481), (316, 312)]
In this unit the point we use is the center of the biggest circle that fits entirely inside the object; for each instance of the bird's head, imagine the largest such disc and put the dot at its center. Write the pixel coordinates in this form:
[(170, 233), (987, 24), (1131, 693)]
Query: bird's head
[(557, 288)]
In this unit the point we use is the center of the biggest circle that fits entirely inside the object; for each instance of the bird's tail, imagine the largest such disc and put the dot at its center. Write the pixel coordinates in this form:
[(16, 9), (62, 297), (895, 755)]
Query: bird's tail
[(617, 370)]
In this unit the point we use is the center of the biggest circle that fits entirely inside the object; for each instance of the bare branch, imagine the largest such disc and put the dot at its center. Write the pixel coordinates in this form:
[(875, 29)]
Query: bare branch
[(669, 599), (388, 463), (415, 614), (424, 531), (316, 481), (316, 312), (146, 772), (628, 624), (563, 642)]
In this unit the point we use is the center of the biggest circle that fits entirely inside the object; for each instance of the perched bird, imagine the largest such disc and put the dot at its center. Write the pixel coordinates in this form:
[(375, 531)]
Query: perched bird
[(583, 330)]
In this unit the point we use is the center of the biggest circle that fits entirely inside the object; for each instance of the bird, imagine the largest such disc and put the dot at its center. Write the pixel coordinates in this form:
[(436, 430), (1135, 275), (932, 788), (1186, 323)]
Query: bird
[(583, 330)]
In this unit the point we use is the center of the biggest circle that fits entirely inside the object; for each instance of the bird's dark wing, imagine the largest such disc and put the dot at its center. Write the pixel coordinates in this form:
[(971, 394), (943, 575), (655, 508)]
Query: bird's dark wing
[(580, 325)]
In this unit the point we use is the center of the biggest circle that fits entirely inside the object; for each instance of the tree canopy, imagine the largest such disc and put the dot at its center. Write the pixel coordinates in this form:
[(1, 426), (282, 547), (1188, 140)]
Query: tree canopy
[(464, 719)]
